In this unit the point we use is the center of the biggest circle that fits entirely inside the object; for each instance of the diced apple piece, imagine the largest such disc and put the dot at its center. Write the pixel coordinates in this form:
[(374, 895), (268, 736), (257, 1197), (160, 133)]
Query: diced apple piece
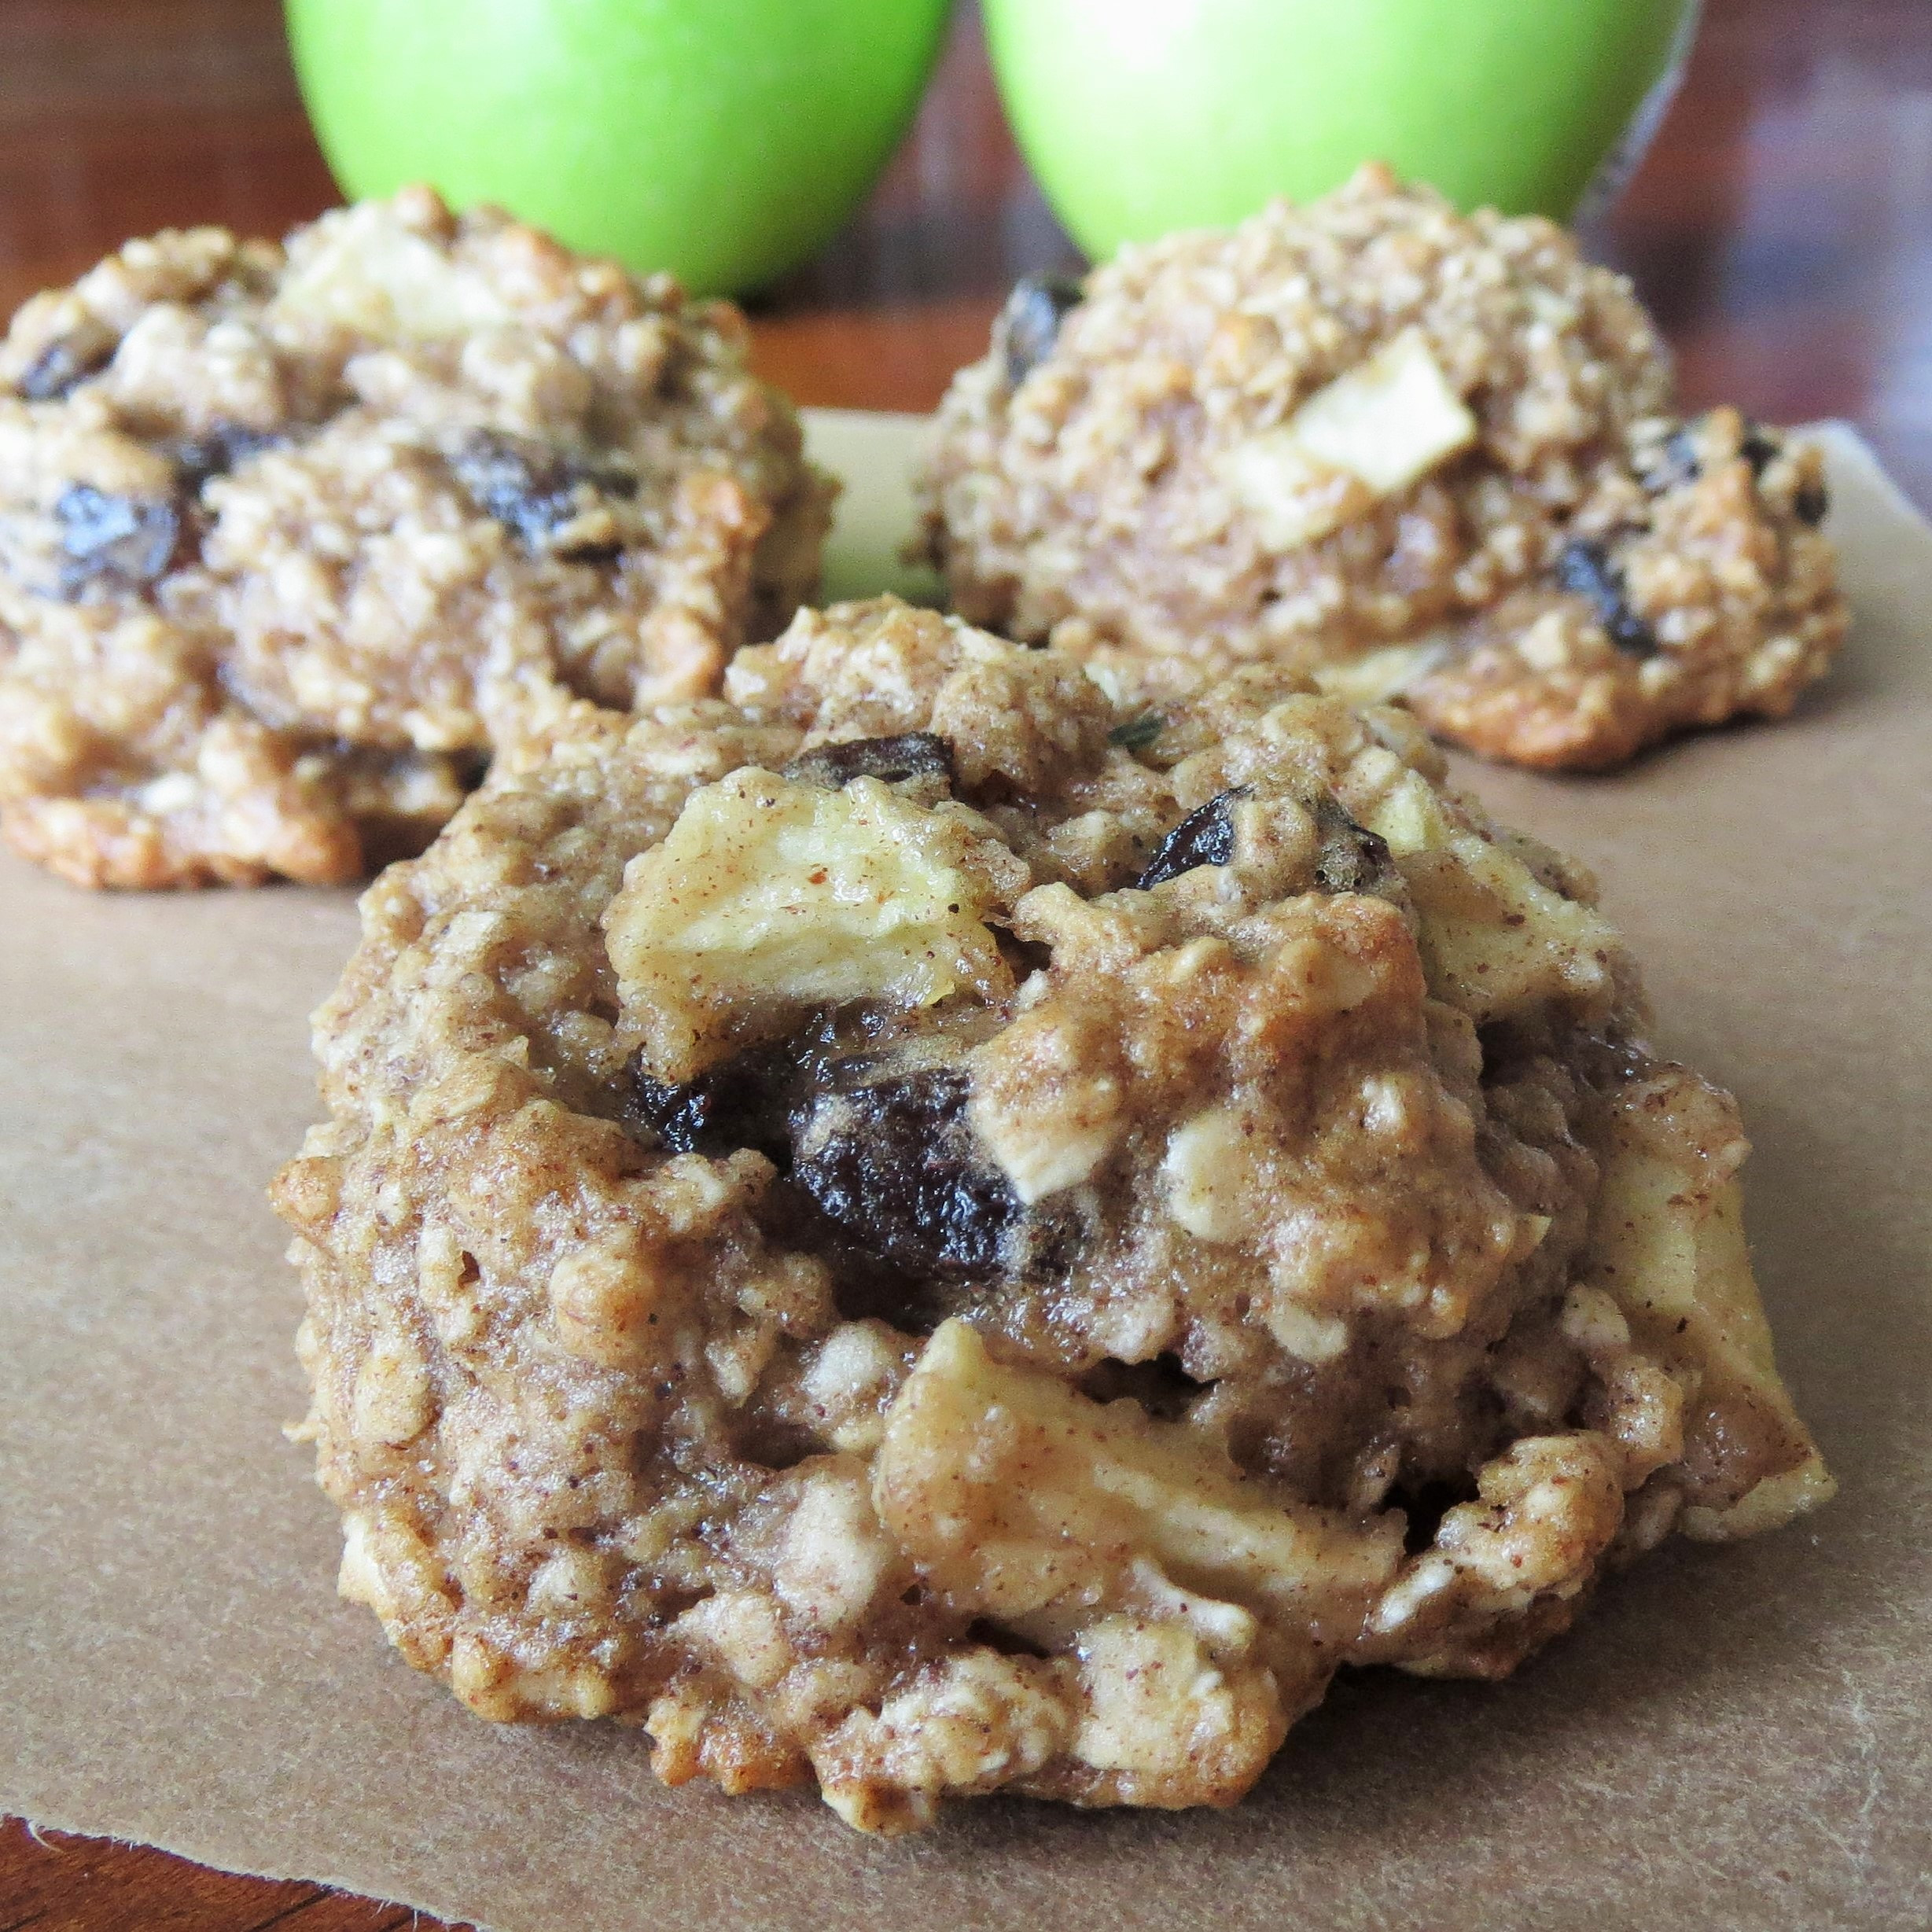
[(1173, 1723), (1013, 1492), (1498, 940), (1373, 432), (1667, 1244), (1495, 939), (1390, 422), (1379, 677), (767, 897), (1293, 497)]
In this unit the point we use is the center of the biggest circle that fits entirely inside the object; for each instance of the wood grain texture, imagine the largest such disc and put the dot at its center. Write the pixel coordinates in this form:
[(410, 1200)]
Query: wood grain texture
[(55, 1882), (1781, 228)]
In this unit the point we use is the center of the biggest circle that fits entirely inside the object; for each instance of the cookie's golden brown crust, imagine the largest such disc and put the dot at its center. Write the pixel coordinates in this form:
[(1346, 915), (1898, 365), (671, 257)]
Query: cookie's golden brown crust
[(1417, 455), (290, 541), (919, 1230)]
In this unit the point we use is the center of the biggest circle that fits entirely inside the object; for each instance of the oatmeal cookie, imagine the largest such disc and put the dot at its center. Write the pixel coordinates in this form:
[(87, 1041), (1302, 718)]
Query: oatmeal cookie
[(913, 1228), (1416, 455), (292, 539)]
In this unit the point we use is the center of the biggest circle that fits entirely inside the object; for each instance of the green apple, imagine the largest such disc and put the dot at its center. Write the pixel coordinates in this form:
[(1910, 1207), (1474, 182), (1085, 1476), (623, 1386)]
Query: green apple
[(1139, 116), (724, 140)]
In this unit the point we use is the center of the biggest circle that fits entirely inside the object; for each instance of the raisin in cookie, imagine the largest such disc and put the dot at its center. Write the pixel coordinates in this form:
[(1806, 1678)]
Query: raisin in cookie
[(915, 1230), (292, 539), (1416, 455)]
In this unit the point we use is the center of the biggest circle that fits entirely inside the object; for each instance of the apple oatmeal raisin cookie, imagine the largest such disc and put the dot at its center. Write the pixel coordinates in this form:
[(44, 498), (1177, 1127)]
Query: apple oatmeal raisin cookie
[(1415, 454), (292, 539), (914, 1228)]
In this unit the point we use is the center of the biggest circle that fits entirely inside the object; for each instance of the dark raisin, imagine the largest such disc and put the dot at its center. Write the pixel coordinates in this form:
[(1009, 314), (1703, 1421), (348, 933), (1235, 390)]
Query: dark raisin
[(216, 451), (532, 487), (910, 755), (677, 1115), (1205, 837), (1136, 735), (744, 1101), (1757, 447), (1679, 463), (67, 361), (1029, 324), (121, 540), (1584, 569), (1811, 503), (1353, 858), (893, 1163)]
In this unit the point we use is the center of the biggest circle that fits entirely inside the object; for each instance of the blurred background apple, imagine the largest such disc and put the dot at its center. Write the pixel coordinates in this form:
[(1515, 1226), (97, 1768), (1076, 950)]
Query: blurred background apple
[(1139, 116), (725, 140)]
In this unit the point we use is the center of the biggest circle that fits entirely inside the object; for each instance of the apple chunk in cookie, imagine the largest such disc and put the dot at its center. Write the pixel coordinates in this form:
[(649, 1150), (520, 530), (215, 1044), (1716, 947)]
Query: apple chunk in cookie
[(293, 538), (771, 897), (1416, 455), (916, 1229)]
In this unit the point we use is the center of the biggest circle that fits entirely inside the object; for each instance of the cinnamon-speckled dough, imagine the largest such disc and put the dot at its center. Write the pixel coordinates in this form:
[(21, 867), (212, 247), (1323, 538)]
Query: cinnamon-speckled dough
[(292, 539), (1415, 454), (914, 1228)]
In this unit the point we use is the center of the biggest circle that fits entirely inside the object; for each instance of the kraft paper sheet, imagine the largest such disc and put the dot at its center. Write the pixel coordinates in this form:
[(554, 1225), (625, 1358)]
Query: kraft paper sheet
[(1733, 1737)]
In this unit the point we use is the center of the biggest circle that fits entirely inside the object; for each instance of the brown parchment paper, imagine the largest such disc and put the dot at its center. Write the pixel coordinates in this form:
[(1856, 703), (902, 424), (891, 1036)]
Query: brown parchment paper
[(1735, 1737)]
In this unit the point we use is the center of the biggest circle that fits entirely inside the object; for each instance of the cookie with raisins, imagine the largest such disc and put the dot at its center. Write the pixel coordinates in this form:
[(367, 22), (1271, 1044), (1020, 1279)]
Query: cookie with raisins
[(292, 540), (1416, 455), (917, 1229)]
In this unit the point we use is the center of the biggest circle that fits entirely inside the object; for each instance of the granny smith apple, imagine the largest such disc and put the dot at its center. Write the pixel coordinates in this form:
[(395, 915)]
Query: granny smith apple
[(724, 140), (1139, 116)]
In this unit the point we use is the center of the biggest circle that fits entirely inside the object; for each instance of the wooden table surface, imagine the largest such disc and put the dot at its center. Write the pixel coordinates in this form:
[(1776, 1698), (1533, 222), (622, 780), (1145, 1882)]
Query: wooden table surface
[(1781, 228)]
